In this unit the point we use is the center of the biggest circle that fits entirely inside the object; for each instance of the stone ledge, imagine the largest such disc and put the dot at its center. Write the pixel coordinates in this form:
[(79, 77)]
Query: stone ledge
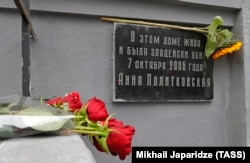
[(45, 149)]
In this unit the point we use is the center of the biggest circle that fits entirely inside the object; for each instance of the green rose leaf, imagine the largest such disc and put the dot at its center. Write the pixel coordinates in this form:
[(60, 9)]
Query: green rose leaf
[(104, 144), (102, 141)]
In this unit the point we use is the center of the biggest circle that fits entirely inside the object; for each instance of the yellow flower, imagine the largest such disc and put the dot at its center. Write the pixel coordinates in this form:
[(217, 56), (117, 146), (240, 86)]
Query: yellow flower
[(229, 49)]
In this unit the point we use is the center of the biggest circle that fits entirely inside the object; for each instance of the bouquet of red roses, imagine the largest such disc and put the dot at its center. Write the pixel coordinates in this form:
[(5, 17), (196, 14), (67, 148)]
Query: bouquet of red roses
[(67, 115)]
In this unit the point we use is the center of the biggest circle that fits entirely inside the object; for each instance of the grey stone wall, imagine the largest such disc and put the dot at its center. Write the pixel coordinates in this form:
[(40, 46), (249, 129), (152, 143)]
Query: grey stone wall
[(245, 17), (74, 53)]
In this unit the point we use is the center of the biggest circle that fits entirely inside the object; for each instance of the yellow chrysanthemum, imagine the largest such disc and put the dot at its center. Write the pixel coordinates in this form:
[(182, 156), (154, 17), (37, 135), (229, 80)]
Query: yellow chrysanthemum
[(227, 50)]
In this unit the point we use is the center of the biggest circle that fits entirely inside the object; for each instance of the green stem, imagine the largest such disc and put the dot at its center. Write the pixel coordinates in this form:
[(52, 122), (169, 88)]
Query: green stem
[(89, 132), (84, 128), (195, 29), (78, 117)]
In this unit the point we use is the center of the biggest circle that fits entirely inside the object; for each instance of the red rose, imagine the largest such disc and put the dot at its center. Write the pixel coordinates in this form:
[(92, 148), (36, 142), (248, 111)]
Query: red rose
[(55, 102), (118, 141), (74, 101), (96, 110)]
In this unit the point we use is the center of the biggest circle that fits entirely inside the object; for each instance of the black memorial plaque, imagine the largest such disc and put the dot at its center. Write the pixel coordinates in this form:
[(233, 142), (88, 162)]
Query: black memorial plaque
[(153, 64)]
